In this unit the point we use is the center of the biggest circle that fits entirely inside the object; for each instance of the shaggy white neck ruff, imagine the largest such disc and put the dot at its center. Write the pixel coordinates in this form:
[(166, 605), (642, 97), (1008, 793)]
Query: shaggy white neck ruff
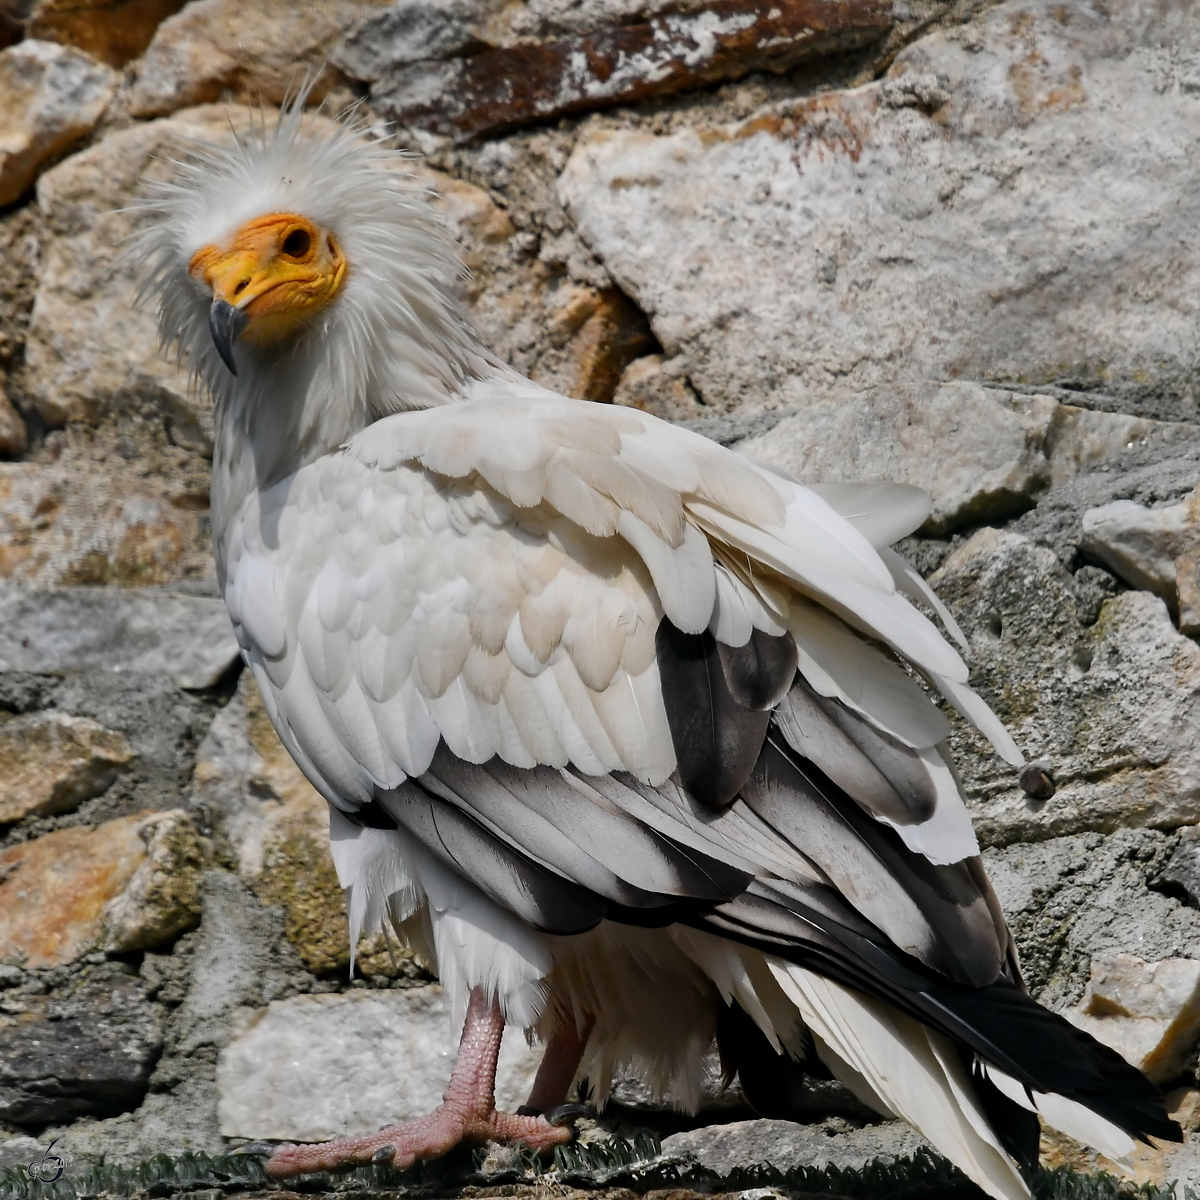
[(394, 338)]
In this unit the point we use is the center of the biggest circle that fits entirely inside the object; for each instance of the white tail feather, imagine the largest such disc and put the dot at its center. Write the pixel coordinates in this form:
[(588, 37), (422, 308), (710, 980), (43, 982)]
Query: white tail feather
[(1067, 1116), (912, 1069), (372, 867)]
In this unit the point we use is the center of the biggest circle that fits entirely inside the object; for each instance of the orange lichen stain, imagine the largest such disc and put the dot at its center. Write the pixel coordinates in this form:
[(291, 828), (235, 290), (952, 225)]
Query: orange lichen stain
[(53, 890), (824, 122), (1038, 85)]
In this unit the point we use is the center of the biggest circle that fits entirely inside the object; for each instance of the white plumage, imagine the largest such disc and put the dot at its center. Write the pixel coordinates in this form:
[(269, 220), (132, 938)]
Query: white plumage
[(474, 609)]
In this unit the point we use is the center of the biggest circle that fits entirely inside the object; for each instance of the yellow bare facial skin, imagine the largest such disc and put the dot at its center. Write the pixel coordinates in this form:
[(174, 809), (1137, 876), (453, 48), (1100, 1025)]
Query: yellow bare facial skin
[(279, 270)]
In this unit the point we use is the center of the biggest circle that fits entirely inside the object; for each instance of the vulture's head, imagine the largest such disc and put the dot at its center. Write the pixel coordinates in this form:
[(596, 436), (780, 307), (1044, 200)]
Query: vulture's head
[(300, 263)]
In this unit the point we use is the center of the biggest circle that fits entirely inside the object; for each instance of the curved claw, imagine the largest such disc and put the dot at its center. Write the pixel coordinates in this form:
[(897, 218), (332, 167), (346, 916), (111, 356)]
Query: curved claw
[(260, 1149), (568, 1114), (383, 1155)]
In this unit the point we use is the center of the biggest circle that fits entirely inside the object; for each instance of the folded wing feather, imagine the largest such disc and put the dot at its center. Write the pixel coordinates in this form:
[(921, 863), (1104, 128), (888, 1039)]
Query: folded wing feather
[(492, 575)]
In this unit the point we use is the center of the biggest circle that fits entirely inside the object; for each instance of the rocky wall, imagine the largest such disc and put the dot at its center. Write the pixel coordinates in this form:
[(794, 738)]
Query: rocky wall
[(946, 242)]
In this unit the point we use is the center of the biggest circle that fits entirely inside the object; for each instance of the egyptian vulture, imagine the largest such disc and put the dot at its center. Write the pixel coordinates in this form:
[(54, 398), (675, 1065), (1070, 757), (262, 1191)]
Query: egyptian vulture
[(628, 736)]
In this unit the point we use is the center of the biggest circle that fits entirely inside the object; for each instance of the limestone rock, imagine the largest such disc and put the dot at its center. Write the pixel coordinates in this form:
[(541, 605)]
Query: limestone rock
[(1181, 875), (114, 31), (13, 435), (51, 762), (89, 1054), (277, 829), (20, 1151), (982, 454), (162, 898), (50, 98), (258, 50), (785, 1145), (647, 384), (549, 316), (317, 1067), (89, 347), (514, 85), (1077, 903), (407, 32), (862, 237), (84, 519), (1157, 549), (1111, 705), (188, 638), (20, 247), (604, 332), (1149, 1012), (57, 892)]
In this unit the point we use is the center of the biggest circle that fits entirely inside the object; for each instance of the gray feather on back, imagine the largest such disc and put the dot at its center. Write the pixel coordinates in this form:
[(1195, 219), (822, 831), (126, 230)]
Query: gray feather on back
[(882, 774)]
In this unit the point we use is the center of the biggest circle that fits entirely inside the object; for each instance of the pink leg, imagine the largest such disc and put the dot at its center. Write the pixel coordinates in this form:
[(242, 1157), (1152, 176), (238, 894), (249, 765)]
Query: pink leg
[(559, 1064), (467, 1113)]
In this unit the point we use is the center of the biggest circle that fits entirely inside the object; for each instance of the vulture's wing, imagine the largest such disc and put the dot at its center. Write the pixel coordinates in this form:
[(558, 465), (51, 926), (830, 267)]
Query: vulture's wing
[(600, 667)]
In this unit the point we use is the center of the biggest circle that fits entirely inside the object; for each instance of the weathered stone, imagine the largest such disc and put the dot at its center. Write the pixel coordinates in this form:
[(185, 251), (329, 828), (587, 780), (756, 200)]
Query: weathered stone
[(1152, 475), (90, 350), (50, 98), (408, 32), (515, 85), (647, 384), (238, 961), (1112, 705), (162, 722), (89, 1053), (1152, 548), (162, 898), (1075, 901), (57, 892), (187, 638), (786, 1146), (1181, 875), (20, 247), (258, 50), (1149, 1012), (605, 332), (276, 826), (114, 31), (50, 762), (317, 1067), (18, 1152), (851, 238), (982, 454), (83, 519), (554, 316), (13, 436)]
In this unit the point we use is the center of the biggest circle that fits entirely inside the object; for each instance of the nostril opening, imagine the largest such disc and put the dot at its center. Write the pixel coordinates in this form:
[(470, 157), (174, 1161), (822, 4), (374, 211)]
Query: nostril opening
[(241, 287)]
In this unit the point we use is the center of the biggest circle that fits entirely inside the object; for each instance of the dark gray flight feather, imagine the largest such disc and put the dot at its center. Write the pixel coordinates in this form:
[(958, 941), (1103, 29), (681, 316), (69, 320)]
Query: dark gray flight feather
[(882, 774), (717, 700), (935, 913)]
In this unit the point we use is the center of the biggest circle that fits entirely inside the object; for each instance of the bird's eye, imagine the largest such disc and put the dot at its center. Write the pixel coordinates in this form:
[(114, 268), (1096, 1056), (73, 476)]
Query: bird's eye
[(296, 244)]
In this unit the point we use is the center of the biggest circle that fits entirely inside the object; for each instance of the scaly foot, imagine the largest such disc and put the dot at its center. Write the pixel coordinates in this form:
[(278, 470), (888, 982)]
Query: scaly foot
[(425, 1138), (467, 1113)]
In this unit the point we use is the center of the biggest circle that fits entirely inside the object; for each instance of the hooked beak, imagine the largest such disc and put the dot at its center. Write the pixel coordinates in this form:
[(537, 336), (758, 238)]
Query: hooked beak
[(226, 324)]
